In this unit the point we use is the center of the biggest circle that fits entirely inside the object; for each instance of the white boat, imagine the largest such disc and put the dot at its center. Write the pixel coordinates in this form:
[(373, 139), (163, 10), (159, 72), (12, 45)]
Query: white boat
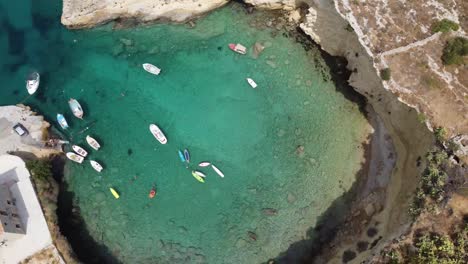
[(158, 134), (80, 151), (96, 165), (199, 173), (239, 48), (74, 157), (252, 83), (151, 68), (92, 142), (32, 83), (220, 173), (204, 164), (76, 108)]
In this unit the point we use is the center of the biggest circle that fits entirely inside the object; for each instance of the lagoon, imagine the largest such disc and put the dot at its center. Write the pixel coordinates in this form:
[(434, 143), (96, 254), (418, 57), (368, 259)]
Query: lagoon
[(288, 148)]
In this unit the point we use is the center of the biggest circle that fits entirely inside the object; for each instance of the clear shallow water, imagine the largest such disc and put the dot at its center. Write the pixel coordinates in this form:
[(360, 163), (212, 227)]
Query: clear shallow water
[(202, 102)]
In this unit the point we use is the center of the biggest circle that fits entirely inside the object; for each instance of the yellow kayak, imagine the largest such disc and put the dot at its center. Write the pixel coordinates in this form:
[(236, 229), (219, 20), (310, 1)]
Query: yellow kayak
[(200, 179), (115, 193)]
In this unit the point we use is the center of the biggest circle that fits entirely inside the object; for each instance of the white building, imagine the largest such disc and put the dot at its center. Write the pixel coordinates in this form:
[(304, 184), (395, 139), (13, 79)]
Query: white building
[(23, 229)]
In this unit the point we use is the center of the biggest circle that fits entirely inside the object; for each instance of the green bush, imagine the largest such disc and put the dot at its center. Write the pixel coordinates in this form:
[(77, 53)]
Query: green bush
[(385, 74), (440, 133), (454, 51), (435, 248), (39, 169), (444, 26)]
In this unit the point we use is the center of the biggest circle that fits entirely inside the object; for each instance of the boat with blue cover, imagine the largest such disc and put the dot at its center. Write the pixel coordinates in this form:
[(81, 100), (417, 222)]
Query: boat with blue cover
[(62, 122), (187, 155)]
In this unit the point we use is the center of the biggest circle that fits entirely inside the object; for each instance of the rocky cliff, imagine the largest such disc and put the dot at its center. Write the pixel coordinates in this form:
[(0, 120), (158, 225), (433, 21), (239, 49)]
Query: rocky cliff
[(88, 13)]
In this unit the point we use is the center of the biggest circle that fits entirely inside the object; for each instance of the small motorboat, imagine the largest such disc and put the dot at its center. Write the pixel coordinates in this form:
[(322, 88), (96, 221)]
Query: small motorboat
[(32, 83), (204, 164), (158, 134), (187, 155), (74, 157), (181, 156), (196, 176), (252, 83), (76, 108), (220, 173), (151, 68), (239, 48), (80, 151), (96, 165), (201, 174), (152, 193), (115, 193), (62, 122), (92, 142)]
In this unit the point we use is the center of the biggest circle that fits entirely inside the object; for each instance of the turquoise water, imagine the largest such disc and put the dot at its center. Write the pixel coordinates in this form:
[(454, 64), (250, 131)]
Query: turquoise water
[(202, 102)]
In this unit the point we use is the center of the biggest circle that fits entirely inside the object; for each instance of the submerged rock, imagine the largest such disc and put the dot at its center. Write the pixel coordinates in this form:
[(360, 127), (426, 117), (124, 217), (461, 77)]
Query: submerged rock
[(269, 211), (257, 49), (252, 235)]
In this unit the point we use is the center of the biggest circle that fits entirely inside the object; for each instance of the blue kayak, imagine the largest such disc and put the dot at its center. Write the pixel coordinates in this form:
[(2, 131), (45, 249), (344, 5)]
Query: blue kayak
[(181, 156), (62, 122), (186, 155)]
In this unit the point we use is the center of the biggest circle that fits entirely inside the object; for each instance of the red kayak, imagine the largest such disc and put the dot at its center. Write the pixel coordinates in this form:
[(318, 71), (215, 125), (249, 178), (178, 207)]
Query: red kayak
[(152, 193)]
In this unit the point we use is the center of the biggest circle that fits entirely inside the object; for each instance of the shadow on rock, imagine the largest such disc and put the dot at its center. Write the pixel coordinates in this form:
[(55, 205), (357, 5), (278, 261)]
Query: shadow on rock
[(73, 226)]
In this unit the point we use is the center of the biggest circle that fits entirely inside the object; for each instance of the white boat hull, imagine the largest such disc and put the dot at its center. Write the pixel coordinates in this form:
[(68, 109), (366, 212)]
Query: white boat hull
[(199, 173), (204, 164), (92, 143), (96, 165), (33, 84), (252, 83), (218, 171), (158, 134), (74, 157), (80, 151), (151, 68), (76, 108)]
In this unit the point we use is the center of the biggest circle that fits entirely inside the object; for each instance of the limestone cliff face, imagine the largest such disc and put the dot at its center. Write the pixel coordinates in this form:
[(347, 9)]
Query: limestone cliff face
[(89, 13), (273, 4)]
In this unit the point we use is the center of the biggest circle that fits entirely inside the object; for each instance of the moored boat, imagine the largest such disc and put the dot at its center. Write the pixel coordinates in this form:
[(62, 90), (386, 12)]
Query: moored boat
[(115, 193), (252, 83), (151, 68), (76, 108), (79, 150), (204, 164), (239, 48), (158, 134), (199, 173), (152, 193), (220, 173), (96, 165), (181, 156), (32, 83), (92, 142), (196, 176), (187, 155), (75, 157), (62, 122)]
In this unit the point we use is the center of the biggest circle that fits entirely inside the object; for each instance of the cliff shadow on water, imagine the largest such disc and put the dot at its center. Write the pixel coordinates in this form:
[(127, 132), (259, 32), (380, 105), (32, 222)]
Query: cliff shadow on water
[(72, 225), (328, 224)]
